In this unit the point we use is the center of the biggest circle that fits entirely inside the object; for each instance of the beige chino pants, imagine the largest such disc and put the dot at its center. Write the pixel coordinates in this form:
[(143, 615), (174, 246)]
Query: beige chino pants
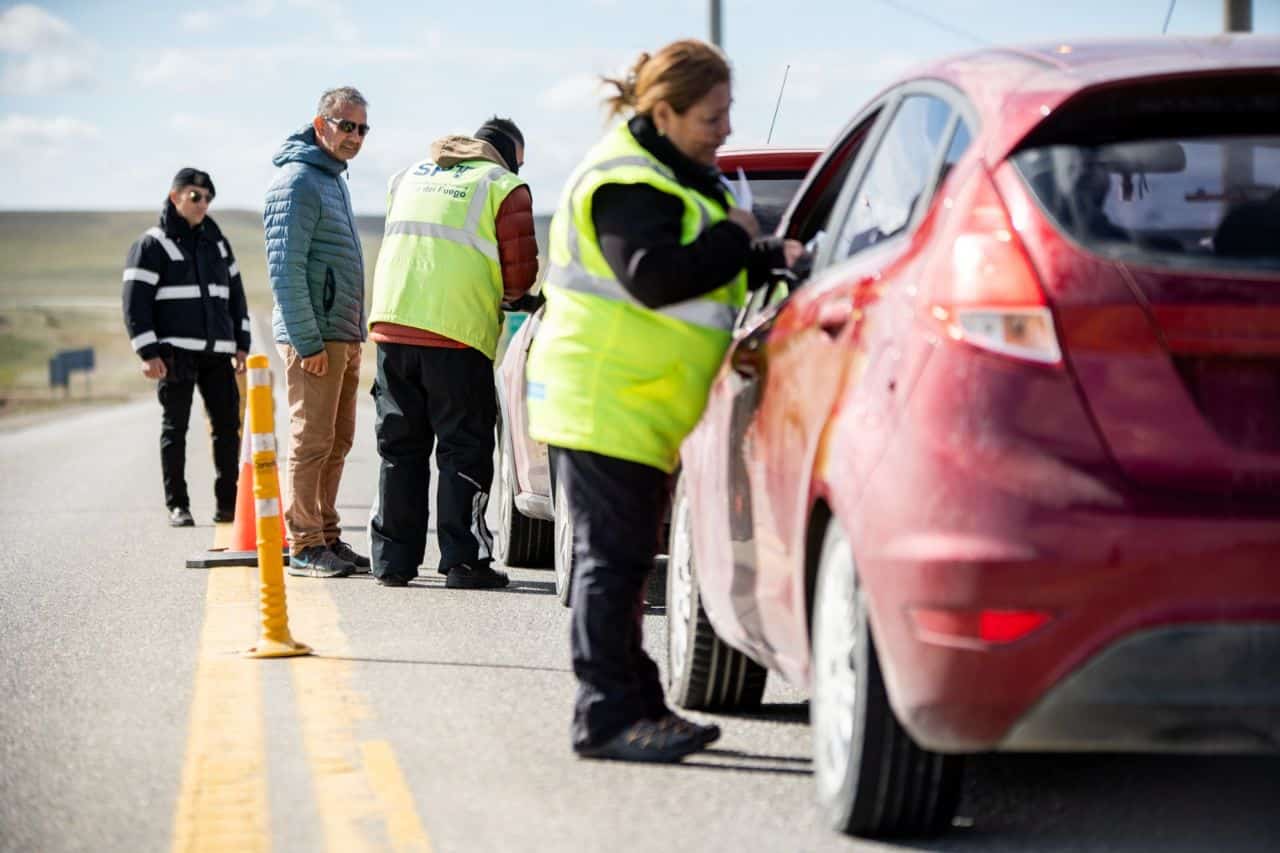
[(322, 427)]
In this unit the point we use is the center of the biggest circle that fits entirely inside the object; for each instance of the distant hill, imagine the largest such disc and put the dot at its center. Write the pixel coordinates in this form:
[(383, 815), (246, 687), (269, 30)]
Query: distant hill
[(60, 289)]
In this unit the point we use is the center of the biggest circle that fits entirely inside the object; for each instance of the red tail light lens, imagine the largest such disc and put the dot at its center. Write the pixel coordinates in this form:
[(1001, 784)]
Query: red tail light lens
[(986, 292), (976, 628)]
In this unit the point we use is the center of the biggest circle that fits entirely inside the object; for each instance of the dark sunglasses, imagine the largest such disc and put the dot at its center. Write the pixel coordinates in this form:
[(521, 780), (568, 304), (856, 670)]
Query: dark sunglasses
[(346, 126), (197, 196)]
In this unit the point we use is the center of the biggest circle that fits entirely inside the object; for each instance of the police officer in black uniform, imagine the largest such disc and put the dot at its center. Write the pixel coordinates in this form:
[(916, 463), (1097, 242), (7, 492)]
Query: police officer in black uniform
[(185, 311)]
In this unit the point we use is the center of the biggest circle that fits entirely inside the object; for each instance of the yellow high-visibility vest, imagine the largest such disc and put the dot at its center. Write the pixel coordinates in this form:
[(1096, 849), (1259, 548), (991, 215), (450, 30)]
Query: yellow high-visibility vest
[(438, 268), (605, 373)]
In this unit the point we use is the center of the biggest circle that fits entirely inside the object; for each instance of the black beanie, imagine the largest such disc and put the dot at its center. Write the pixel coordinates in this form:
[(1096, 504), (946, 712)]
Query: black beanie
[(503, 140), (189, 177)]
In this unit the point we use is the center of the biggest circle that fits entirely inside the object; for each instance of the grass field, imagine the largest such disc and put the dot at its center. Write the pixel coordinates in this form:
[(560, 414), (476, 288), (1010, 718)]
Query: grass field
[(60, 289)]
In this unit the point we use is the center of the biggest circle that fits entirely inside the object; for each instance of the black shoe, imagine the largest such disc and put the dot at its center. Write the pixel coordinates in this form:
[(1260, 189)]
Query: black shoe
[(180, 516), (664, 741), (708, 734), (224, 516), (483, 576), (393, 581), (319, 562), (347, 554)]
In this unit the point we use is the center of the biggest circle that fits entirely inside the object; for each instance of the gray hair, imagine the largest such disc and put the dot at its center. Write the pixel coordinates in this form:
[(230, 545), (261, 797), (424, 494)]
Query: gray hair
[(341, 95)]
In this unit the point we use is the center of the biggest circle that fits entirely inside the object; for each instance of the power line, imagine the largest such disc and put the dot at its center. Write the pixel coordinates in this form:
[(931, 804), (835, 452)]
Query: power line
[(937, 22), (1168, 15)]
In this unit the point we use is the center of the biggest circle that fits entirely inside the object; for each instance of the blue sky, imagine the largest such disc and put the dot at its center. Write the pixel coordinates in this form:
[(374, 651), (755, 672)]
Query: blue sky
[(101, 102)]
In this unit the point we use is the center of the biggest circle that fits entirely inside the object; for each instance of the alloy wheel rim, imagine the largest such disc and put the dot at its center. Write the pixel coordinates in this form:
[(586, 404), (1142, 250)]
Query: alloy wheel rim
[(680, 607), (836, 685)]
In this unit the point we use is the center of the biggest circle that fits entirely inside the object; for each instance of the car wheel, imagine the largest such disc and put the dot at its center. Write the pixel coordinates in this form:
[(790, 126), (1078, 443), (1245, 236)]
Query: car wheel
[(563, 545), (703, 672), (872, 779), (519, 540)]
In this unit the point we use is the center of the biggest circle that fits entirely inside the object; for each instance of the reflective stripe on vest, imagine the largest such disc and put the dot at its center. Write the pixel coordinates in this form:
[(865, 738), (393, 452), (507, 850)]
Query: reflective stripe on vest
[(701, 311), (709, 313), (443, 232)]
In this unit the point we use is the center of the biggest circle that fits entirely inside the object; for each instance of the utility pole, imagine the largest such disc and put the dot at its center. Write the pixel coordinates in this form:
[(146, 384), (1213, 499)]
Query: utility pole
[(715, 23), (1237, 159), (1237, 16)]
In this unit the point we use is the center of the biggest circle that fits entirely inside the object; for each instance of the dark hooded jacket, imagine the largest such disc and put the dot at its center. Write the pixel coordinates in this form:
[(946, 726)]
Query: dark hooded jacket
[(182, 290), (313, 249)]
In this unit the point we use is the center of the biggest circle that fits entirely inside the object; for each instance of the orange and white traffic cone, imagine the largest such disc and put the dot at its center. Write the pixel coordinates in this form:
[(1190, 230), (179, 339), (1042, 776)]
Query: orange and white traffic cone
[(236, 544)]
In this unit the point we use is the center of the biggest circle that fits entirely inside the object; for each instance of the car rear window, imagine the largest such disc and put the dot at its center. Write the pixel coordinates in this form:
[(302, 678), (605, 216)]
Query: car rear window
[(1188, 175)]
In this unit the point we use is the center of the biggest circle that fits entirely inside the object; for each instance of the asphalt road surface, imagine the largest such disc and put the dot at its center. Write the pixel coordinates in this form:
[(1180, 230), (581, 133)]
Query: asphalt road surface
[(428, 719)]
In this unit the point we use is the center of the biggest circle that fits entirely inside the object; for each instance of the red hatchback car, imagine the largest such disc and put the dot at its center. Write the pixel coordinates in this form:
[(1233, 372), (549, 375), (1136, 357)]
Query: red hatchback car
[(526, 507), (1004, 472)]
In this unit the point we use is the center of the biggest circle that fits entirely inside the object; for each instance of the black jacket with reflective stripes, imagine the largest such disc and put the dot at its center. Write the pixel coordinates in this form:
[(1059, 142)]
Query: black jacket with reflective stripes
[(182, 289)]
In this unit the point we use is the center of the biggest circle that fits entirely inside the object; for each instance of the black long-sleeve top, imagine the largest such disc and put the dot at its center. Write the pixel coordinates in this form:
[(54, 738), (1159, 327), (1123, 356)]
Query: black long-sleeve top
[(639, 229)]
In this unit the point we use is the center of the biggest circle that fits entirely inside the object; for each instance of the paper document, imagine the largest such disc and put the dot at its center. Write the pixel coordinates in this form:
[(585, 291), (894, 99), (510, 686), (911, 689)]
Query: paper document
[(741, 191)]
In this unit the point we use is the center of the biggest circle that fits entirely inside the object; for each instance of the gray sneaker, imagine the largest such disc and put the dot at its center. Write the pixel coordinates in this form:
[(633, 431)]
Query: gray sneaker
[(319, 562), (348, 554)]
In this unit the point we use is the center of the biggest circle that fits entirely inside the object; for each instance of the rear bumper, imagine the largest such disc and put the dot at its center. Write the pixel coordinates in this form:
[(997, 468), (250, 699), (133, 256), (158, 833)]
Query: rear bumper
[(1164, 628), (1190, 688)]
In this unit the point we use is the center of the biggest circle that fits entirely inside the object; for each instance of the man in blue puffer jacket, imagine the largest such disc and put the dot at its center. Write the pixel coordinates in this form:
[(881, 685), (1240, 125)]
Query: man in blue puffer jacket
[(317, 279)]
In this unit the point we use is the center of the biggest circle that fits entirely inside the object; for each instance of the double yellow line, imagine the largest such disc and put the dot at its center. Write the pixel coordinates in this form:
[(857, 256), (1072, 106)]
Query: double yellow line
[(361, 795)]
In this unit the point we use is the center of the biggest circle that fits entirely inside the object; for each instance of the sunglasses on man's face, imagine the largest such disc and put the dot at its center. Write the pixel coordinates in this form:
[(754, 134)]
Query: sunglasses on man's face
[(196, 196), (347, 126)]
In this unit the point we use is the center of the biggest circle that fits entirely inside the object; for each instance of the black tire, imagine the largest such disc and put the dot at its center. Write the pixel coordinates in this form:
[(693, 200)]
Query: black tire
[(562, 552), (518, 540), (872, 779), (703, 672)]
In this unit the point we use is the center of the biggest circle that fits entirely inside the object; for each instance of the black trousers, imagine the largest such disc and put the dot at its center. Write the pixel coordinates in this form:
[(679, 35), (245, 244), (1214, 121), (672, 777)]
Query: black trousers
[(424, 395), (215, 376), (617, 507)]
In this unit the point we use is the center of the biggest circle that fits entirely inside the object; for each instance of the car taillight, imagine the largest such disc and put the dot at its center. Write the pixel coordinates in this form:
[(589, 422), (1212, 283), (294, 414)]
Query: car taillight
[(985, 291), (976, 628)]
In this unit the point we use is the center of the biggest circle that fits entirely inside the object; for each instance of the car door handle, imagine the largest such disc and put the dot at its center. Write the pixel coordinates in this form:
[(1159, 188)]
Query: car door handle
[(834, 316)]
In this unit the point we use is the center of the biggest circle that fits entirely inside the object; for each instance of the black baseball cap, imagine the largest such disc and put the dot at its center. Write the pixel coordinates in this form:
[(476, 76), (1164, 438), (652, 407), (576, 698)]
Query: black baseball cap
[(189, 177)]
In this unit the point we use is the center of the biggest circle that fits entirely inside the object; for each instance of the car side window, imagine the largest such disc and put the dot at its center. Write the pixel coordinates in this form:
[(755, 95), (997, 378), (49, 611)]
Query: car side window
[(900, 173), (809, 220), (960, 140)]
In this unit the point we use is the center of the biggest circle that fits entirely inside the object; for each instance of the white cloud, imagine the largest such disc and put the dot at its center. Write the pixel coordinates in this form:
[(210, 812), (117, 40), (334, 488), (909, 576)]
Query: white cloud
[(342, 26), (27, 135), (197, 22), (44, 53), (206, 21), (187, 70), (578, 92), (27, 29)]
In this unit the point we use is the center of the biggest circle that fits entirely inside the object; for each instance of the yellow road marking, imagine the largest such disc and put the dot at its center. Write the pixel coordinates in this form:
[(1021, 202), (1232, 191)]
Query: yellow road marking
[(403, 825), (361, 795), (222, 804), (222, 536)]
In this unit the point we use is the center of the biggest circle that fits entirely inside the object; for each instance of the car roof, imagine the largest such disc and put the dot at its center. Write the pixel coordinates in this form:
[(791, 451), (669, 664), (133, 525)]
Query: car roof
[(1014, 88), (767, 159)]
